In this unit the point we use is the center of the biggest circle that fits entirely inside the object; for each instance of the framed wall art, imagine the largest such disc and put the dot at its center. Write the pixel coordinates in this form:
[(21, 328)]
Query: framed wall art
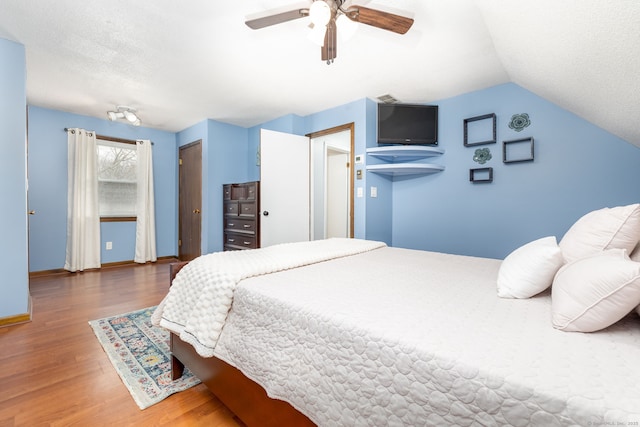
[(481, 175), (517, 150), (480, 130)]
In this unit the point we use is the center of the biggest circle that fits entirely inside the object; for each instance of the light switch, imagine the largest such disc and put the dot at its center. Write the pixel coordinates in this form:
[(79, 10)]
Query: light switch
[(359, 192), (374, 191)]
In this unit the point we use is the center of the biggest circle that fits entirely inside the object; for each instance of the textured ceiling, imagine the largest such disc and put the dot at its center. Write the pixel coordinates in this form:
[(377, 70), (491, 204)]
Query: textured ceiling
[(179, 63)]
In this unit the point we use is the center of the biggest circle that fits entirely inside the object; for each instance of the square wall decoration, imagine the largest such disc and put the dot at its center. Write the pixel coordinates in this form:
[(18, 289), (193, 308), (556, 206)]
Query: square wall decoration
[(480, 175), (480, 130), (517, 150)]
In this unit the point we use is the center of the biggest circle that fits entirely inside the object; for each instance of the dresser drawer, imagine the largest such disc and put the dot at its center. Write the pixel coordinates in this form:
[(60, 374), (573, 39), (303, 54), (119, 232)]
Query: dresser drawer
[(240, 241), (231, 208), (247, 209), (252, 191), (241, 225)]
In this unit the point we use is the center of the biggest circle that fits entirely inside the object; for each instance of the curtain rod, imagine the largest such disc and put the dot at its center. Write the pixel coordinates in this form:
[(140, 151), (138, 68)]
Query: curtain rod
[(112, 138)]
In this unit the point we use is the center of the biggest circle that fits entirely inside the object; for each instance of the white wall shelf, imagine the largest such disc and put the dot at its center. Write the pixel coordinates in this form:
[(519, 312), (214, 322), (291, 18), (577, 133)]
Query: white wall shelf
[(397, 169), (401, 160), (404, 153)]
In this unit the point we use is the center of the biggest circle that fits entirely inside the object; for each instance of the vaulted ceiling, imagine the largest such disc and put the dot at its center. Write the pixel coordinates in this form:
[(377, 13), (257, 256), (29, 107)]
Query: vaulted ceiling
[(179, 63)]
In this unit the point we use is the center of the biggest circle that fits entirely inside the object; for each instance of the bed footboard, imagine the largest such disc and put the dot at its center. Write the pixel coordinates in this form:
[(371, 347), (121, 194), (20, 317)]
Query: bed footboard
[(244, 397)]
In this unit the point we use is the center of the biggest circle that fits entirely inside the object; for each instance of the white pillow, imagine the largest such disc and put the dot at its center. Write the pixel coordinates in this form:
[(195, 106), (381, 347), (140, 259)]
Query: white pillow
[(529, 270), (595, 292), (603, 229)]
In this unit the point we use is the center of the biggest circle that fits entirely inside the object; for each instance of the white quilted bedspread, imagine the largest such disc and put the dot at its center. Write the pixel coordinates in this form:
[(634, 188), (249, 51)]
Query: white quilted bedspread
[(395, 337), (201, 294)]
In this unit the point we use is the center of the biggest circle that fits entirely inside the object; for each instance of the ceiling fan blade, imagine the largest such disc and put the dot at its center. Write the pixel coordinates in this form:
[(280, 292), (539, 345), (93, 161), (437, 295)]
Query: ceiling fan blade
[(277, 18), (329, 49), (377, 18)]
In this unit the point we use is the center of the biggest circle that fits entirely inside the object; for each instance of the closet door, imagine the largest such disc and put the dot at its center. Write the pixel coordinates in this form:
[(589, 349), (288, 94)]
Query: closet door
[(284, 188), (190, 201)]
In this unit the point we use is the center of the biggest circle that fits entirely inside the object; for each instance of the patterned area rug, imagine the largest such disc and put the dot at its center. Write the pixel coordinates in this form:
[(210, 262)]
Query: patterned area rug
[(139, 351)]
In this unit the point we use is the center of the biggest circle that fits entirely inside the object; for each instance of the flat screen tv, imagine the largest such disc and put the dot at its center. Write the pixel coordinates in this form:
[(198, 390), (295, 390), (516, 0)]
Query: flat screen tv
[(407, 124)]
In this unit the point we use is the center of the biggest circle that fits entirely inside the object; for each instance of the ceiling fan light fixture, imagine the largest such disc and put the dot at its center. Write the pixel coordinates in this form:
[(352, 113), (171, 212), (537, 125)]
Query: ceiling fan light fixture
[(131, 117), (123, 112), (320, 13), (325, 15)]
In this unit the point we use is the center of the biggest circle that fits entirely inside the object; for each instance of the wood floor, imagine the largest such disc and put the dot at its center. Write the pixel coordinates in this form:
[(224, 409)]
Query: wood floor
[(53, 371)]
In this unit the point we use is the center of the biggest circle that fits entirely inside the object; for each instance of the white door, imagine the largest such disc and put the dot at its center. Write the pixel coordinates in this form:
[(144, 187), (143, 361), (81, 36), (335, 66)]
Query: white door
[(284, 188), (337, 193)]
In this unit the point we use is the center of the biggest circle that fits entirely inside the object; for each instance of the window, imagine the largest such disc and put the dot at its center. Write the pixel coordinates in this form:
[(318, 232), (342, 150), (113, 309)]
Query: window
[(117, 180)]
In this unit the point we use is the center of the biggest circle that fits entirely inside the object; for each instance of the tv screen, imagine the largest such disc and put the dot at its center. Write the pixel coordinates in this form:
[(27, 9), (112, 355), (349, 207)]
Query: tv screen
[(407, 124)]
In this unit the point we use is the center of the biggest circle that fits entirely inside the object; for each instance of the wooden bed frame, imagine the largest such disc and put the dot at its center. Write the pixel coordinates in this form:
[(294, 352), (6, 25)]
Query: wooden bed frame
[(244, 397)]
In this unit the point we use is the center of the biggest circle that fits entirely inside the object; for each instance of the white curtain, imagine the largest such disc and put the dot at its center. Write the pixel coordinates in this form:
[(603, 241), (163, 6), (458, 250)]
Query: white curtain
[(145, 211), (83, 211)]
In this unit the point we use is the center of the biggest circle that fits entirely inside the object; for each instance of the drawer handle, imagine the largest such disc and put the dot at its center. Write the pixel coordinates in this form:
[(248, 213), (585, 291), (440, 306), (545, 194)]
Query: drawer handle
[(231, 224), (246, 209), (247, 243), (247, 226), (231, 240)]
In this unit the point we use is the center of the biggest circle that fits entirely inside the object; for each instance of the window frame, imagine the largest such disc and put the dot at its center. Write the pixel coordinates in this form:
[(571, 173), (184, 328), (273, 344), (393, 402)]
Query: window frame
[(123, 141)]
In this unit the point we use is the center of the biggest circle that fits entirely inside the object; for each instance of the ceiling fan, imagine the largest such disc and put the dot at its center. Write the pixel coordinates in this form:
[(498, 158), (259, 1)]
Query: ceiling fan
[(325, 15)]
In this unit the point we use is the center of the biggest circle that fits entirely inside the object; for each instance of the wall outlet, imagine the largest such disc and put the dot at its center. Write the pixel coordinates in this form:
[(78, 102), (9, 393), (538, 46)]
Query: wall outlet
[(109, 246), (374, 191)]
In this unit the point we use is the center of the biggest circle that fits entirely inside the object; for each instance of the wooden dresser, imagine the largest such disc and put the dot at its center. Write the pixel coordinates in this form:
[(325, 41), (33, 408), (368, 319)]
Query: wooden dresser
[(241, 215)]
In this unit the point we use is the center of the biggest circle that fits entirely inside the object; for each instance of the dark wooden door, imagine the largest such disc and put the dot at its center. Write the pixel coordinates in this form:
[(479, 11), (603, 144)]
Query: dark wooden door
[(190, 201)]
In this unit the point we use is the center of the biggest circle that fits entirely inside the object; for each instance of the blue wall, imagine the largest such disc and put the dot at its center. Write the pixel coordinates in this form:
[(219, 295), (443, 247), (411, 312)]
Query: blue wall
[(48, 188), (225, 159), (228, 158), (578, 167), (14, 284)]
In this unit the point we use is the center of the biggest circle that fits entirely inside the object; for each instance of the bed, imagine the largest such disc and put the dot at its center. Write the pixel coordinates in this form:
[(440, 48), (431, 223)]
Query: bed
[(389, 336)]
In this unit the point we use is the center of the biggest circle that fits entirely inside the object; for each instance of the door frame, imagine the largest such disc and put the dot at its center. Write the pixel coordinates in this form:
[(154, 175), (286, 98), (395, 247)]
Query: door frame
[(331, 151), (350, 127)]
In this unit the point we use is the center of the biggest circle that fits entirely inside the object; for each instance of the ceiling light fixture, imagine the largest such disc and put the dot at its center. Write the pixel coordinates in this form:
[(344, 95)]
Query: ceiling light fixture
[(320, 13), (124, 112)]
